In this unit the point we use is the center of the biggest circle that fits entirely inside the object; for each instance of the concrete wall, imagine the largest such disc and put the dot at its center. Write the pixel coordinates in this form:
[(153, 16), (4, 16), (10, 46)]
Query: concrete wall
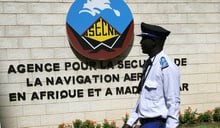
[(33, 32)]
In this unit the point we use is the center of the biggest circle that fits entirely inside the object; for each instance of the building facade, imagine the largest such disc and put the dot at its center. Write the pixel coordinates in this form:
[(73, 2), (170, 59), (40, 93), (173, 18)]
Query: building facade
[(43, 83)]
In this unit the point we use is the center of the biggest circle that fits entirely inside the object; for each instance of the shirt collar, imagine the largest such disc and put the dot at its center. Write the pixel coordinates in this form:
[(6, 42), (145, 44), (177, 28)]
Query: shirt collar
[(157, 57)]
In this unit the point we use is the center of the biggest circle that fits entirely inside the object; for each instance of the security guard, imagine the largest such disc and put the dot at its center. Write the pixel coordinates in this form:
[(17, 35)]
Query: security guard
[(159, 99)]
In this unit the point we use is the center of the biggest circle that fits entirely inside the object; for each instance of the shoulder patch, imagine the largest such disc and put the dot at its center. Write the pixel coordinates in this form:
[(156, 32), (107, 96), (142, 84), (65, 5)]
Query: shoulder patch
[(163, 63)]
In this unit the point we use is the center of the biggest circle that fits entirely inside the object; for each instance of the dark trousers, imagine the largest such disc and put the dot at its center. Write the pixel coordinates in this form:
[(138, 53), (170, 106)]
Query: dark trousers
[(153, 123), (156, 124)]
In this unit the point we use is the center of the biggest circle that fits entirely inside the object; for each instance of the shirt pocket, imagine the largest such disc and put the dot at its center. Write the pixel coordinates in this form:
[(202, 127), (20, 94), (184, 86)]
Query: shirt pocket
[(151, 90)]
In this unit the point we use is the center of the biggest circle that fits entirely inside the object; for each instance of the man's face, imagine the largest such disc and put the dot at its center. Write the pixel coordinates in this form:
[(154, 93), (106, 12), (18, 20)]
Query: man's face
[(147, 44)]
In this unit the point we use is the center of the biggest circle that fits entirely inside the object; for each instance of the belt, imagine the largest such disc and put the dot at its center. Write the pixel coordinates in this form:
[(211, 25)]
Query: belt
[(156, 119)]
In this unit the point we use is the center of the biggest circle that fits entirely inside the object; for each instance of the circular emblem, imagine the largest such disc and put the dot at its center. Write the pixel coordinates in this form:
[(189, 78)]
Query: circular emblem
[(99, 29)]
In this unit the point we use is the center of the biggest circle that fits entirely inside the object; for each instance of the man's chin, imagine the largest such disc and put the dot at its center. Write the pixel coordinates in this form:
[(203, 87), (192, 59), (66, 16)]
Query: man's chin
[(144, 52)]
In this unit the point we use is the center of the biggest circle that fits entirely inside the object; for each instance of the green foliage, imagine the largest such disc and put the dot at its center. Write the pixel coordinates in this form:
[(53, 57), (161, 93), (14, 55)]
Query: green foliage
[(106, 124), (189, 116), (125, 119), (208, 119), (98, 126), (216, 115), (205, 117), (77, 123), (88, 124), (202, 125)]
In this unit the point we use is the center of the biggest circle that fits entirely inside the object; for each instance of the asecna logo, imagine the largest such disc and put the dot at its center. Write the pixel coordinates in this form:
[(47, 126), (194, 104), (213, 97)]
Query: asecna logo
[(99, 29)]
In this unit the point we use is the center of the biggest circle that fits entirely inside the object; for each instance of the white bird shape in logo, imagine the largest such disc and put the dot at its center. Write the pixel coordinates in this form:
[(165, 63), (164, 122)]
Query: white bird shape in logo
[(94, 7)]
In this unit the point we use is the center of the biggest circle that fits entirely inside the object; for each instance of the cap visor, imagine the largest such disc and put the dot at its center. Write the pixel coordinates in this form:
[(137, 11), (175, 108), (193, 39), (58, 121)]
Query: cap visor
[(139, 34)]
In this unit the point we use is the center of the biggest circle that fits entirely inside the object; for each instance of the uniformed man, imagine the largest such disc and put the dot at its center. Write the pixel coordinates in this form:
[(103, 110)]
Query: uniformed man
[(159, 99)]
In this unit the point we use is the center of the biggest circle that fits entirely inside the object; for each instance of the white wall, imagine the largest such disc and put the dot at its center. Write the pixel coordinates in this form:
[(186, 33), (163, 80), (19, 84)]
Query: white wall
[(33, 32)]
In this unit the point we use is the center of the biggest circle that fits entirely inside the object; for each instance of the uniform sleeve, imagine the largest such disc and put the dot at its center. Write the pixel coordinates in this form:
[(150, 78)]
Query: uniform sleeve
[(172, 95), (133, 118)]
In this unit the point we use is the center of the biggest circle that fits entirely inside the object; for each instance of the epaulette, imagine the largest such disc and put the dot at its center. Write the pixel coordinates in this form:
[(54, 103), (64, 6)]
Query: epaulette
[(163, 63)]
